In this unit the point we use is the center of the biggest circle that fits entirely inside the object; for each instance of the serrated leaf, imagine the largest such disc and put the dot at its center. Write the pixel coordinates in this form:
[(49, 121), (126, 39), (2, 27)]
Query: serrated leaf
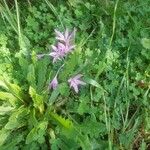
[(64, 89), (83, 108), (54, 96), (5, 96), (66, 123), (37, 99), (15, 90), (37, 133), (92, 127), (17, 118)]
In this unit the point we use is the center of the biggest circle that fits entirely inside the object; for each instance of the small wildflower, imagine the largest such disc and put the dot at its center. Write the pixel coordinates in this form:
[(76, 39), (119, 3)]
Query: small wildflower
[(54, 83), (75, 82), (58, 52)]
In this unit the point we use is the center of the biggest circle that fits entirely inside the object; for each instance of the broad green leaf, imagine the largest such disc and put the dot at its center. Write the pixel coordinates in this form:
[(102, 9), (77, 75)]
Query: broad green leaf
[(93, 83), (13, 144), (66, 123), (37, 133), (54, 96), (23, 62), (37, 99), (5, 96), (32, 121), (146, 43), (2, 83), (64, 89), (31, 75), (92, 127), (18, 118), (5, 109), (15, 90), (4, 135), (41, 73), (83, 108), (143, 145)]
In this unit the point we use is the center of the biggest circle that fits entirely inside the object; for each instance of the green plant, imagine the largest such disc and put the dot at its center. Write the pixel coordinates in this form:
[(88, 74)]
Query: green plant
[(112, 52)]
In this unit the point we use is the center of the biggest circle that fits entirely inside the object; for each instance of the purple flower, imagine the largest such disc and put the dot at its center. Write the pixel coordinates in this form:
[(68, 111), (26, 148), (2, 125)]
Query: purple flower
[(75, 82), (54, 83), (58, 52), (64, 45), (65, 37)]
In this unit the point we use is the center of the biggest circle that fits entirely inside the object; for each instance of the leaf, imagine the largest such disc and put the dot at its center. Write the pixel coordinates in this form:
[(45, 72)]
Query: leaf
[(3, 135), (84, 106), (55, 144), (100, 68), (37, 133), (146, 43), (15, 90), (31, 75), (54, 96), (93, 83), (12, 145), (2, 84), (24, 63), (5, 109), (42, 70), (17, 119), (66, 123), (92, 127), (69, 66), (64, 89), (37, 99), (143, 145), (5, 96)]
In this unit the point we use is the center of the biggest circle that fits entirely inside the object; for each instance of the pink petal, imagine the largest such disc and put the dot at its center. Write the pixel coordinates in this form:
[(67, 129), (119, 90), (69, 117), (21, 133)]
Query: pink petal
[(81, 82), (66, 34), (59, 34), (54, 47), (72, 35), (71, 47), (78, 76), (53, 54), (61, 46), (75, 88)]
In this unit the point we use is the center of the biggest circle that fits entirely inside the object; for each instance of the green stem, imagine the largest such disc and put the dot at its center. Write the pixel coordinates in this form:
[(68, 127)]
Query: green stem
[(114, 23)]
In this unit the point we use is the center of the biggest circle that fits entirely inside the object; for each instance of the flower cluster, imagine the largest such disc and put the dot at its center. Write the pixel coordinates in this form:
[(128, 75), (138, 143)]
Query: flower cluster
[(59, 51), (64, 45), (74, 82)]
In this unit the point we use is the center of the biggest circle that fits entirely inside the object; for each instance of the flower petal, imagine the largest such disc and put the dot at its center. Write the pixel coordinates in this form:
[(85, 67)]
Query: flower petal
[(78, 76), (54, 47), (59, 34), (81, 82), (66, 34), (75, 88)]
